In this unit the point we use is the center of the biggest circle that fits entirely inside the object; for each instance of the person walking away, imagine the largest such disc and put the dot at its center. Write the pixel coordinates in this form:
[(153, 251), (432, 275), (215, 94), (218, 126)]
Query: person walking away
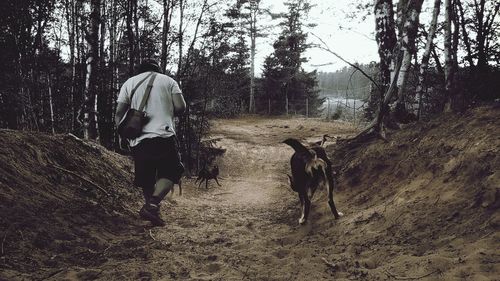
[(156, 159)]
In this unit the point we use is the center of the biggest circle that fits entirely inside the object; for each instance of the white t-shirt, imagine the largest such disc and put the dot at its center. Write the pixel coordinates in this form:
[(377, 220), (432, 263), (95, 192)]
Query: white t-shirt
[(159, 107)]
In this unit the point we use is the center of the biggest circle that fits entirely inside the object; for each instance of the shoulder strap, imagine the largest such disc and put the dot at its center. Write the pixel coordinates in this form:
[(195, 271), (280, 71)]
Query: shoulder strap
[(137, 86), (148, 91)]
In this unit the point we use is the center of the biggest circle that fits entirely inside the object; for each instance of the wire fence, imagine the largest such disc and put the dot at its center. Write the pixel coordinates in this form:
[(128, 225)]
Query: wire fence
[(333, 107)]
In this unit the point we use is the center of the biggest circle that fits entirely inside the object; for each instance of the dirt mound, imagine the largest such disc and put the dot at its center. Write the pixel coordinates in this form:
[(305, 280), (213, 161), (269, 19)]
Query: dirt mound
[(63, 201), (424, 203)]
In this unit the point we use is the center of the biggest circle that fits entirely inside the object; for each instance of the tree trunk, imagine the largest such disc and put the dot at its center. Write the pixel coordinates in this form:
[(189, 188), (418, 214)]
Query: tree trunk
[(167, 16), (385, 34), (137, 34), (449, 70), (113, 20), (435, 56), (91, 81), (71, 27), (130, 36), (51, 104), (181, 38), (426, 55), (251, 103), (408, 48), (104, 102), (254, 9), (482, 60), (185, 67), (405, 44), (465, 34)]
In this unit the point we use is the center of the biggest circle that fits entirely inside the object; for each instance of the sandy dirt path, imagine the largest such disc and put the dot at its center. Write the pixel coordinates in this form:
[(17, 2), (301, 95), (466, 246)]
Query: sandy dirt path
[(245, 230), (420, 206)]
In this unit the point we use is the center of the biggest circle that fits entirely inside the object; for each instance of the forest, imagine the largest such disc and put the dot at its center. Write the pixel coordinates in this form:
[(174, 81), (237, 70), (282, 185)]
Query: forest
[(65, 60), (414, 173)]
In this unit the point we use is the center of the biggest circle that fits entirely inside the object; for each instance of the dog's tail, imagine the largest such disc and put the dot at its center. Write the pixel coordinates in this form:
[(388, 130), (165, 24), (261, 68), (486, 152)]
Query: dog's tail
[(297, 146), (316, 169), (314, 166)]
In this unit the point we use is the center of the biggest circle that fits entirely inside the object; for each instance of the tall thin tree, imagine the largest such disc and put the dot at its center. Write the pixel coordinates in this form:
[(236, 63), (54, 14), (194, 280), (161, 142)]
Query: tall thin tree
[(426, 55), (91, 80)]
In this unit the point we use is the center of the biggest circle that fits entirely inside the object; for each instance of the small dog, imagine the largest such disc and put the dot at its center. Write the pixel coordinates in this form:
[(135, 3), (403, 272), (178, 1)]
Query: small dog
[(206, 174), (180, 187), (311, 168)]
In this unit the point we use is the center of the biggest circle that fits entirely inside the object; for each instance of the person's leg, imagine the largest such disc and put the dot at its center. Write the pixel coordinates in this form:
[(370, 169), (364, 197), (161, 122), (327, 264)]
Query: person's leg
[(147, 191), (162, 188), (169, 170), (145, 176)]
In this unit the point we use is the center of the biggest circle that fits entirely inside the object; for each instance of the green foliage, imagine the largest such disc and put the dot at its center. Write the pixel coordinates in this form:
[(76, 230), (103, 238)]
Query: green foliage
[(283, 75)]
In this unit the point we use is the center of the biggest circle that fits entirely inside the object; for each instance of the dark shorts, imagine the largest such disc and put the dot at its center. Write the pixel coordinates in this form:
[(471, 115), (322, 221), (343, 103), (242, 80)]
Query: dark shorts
[(156, 158)]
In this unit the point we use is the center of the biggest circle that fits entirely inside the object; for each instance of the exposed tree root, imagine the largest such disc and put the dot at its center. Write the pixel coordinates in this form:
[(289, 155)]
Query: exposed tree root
[(81, 177)]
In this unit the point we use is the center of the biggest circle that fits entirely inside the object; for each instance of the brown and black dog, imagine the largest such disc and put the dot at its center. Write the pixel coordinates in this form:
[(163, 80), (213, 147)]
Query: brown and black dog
[(311, 169), (206, 174)]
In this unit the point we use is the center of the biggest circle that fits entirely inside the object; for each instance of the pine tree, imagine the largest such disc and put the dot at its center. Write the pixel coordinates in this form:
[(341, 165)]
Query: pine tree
[(283, 77)]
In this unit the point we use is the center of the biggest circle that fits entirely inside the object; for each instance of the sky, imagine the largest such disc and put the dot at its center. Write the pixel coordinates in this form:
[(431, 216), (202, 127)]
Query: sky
[(352, 38)]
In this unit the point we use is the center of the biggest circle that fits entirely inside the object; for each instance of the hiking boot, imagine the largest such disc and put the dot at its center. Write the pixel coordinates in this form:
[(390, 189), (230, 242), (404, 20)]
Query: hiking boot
[(151, 213)]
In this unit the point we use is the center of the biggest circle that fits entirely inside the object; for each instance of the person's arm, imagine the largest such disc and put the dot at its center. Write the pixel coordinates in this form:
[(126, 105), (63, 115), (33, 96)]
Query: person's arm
[(121, 109), (122, 105), (179, 103), (178, 99)]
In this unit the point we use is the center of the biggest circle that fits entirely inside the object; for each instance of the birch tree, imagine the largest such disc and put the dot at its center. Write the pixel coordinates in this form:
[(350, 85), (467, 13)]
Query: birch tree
[(91, 80), (449, 70), (426, 55), (385, 34), (408, 20), (408, 35)]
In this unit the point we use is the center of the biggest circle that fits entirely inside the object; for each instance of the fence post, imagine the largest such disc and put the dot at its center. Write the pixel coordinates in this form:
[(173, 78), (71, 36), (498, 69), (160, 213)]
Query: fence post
[(286, 104), (328, 111), (354, 114), (307, 107)]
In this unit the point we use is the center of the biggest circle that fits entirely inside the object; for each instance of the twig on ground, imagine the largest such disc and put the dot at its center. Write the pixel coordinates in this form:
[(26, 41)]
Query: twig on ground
[(409, 277), (245, 274), (484, 236), (437, 200), (5, 237), (151, 235), (107, 248), (53, 274), (329, 264), (82, 178), (223, 193)]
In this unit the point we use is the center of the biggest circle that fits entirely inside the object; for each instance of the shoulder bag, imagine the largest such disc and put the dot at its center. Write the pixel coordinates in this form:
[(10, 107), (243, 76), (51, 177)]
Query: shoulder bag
[(131, 125)]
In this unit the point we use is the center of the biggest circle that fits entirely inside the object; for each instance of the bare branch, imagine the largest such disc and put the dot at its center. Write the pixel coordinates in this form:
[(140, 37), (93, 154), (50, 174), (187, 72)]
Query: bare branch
[(326, 48)]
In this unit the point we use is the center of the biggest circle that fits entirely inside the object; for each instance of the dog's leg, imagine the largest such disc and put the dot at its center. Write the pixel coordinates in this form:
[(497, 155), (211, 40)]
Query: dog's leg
[(180, 187), (302, 197), (307, 208), (336, 213), (206, 183), (217, 181)]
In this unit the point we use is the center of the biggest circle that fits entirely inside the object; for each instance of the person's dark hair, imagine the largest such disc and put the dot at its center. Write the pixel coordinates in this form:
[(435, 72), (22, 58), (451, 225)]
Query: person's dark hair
[(148, 65)]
